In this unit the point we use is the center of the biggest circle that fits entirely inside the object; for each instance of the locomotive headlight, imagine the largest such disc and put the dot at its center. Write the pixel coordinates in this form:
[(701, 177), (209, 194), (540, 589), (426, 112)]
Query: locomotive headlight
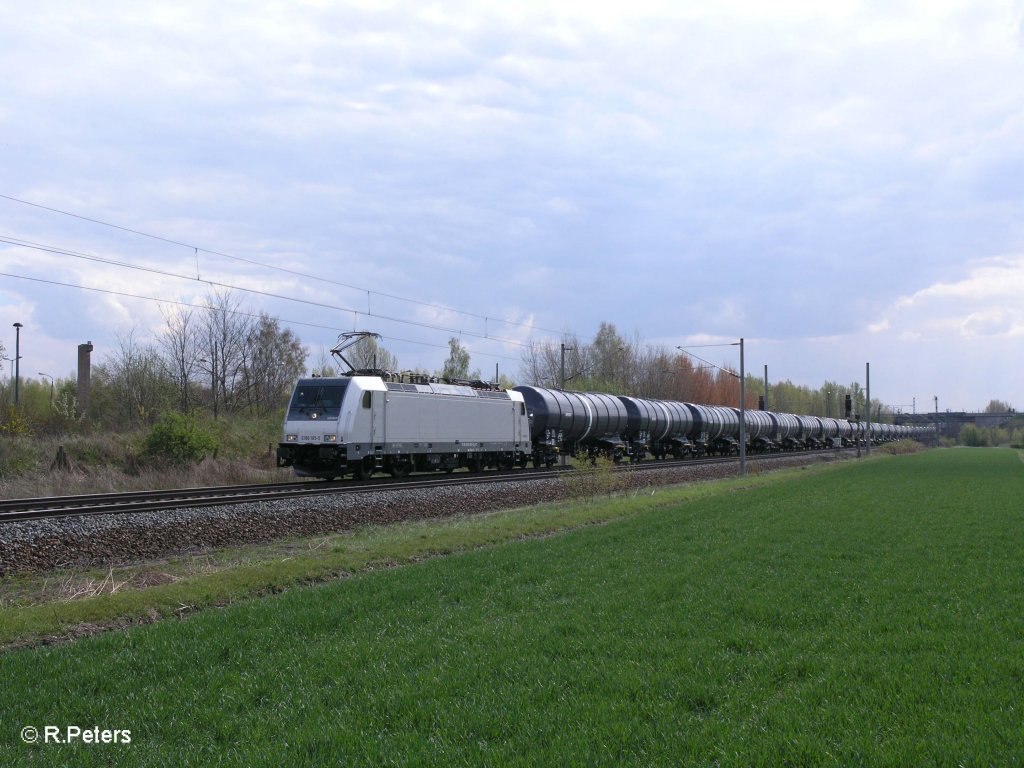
[(330, 438), (291, 438)]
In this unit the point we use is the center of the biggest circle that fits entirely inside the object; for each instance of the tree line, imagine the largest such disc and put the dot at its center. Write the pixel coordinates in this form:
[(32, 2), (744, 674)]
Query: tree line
[(220, 359), (223, 359), (627, 366)]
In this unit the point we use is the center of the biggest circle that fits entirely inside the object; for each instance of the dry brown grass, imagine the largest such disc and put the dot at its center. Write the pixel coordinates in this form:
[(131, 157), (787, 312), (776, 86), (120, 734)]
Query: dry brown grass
[(112, 462), (112, 480)]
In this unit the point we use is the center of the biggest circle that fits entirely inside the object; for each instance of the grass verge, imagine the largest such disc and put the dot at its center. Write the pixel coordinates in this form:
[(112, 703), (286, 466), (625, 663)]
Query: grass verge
[(69, 604), (869, 615)]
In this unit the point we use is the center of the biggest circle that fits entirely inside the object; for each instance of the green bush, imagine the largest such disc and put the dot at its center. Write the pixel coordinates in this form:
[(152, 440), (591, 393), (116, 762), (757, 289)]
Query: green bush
[(980, 437), (179, 439), (592, 476), (14, 423), (17, 455), (902, 447)]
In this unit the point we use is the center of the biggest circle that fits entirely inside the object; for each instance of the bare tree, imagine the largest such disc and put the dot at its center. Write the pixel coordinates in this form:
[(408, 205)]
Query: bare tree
[(132, 385), (998, 406), (368, 354), (225, 331), (325, 364), (272, 358), (180, 345), (457, 364)]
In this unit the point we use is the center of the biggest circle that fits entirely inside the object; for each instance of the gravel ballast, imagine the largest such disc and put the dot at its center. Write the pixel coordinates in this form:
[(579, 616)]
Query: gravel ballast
[(108, 539)]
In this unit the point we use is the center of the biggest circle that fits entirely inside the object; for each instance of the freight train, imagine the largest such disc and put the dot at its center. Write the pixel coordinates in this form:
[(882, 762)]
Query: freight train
[(360, 424)]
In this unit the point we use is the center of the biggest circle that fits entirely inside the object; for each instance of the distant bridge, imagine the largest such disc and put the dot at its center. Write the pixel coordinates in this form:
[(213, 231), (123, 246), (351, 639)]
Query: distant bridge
[(951, 422)]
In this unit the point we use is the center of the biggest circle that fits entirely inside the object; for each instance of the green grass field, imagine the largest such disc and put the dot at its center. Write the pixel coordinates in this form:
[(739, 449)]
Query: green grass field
[(869, 615)]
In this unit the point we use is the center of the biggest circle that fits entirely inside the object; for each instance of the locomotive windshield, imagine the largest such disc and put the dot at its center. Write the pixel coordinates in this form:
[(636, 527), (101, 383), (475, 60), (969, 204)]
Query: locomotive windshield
[(316, 401)]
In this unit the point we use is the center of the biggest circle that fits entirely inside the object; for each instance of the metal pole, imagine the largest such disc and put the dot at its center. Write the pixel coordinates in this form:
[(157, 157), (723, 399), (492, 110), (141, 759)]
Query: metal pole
[(867, 378), (51, 387), (743, 420), (213, 376), (17, 364), (766, 389), (562, 386)]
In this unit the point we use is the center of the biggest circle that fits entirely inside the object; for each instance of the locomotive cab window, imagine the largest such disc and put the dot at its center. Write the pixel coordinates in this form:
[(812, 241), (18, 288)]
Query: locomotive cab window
[(316, 401), (367, 397)]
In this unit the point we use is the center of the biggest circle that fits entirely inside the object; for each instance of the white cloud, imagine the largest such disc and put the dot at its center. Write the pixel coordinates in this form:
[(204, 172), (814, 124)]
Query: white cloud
[(717, 170), (986, 301)]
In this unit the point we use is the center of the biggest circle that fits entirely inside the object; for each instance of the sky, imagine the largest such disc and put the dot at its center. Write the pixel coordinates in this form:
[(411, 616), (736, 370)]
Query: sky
[(837, 183)]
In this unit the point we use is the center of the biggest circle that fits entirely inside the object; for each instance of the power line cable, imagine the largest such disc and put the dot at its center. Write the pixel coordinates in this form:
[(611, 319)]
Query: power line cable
[(197, 249), (355, 312), (233, 312)]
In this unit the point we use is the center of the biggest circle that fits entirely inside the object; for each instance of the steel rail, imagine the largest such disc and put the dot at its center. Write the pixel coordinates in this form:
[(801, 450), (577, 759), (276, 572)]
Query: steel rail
[(14, 510)]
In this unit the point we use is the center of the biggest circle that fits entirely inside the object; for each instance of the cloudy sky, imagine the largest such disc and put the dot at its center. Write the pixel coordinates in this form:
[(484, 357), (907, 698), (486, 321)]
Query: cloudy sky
[(836, 182)]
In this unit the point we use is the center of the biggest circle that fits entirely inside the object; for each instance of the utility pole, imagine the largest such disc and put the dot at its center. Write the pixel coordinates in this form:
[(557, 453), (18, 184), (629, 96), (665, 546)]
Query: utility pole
[(561, 384), (17, 363), (867, 379), (766, 406), (213, 376), (743, 405)]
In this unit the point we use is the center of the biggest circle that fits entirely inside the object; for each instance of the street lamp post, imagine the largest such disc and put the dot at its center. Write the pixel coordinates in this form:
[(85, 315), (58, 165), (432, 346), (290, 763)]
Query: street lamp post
[(17, 362), (51, 387)]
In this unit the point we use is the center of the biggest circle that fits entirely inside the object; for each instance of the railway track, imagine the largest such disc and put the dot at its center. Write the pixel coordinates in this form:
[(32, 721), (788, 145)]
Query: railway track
[(14, 510)]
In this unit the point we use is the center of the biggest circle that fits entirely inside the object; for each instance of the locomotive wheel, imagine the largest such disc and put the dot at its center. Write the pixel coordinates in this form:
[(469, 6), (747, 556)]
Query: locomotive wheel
[(400, 469)]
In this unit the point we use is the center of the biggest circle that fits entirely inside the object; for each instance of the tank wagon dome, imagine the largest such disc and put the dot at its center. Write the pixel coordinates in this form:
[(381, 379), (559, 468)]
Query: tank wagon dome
[(809, 426), (610, 415), (576, 416), (644, 416), (789, 425), (830, 427), (557, 412), (714, 421), (757, 424)]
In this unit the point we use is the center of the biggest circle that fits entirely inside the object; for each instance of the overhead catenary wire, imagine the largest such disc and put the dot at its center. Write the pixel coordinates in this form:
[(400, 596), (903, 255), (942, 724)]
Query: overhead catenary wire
[(240, 312), (269, 294), (298, 273), (487, 319)]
